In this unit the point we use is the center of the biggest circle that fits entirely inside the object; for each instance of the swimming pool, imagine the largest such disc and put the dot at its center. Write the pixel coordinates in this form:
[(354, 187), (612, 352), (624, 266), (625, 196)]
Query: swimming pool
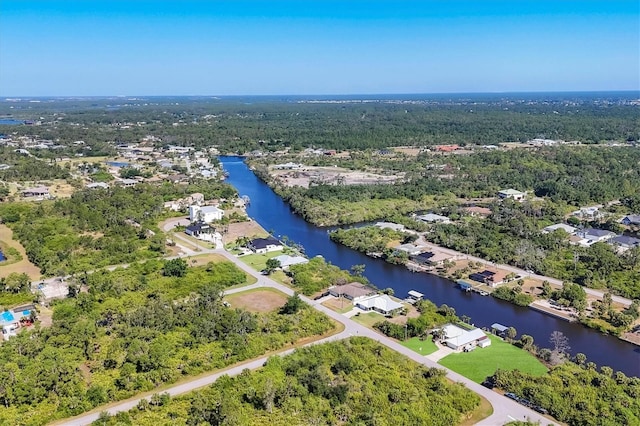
[(7, 316), (118, 163)]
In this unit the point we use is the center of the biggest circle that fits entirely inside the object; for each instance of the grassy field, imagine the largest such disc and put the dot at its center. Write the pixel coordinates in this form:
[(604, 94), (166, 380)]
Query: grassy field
[(483, 362), (368, 319), (259, 261), (423, 347)]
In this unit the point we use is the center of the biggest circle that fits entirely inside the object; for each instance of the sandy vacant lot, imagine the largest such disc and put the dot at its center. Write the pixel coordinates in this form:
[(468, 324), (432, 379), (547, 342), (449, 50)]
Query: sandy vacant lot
[(330, 175), (6, 236), (257, 300), (249, 229)]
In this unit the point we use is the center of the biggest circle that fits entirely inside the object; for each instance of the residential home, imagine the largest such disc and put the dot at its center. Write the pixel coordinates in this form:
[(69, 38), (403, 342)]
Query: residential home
[(127, 183), (588, 213), (433, 218), (410, 249), (632, 219), (389, 225), (204, 213), (566, 228), (591, 236), (201, 231), (623, 243), (352, 291), (511, 193), (446, 148), (286, 260), (477, 211), (265, 245), (381, 303), (38, 193), (431, 258), (98, 185), (460, 339)]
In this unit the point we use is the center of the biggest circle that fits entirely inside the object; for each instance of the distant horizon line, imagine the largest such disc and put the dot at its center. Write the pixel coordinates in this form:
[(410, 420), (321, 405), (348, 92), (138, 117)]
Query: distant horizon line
[(10, 97)]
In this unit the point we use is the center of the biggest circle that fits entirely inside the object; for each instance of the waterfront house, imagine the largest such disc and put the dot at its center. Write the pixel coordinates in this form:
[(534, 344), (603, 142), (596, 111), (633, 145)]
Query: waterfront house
[(265, 245), (431, 258), (286, 260), (410, 249), (414, 296), (458, 338), (381, 303), (389, 225), (352, 291)]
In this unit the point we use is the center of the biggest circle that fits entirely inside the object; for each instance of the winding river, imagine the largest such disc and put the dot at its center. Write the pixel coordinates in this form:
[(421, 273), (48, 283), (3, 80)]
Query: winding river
[(270, 211)]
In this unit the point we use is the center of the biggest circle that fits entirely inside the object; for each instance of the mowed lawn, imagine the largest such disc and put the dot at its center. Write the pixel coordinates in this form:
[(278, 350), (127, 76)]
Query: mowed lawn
[(259, 261), (368, 319), (483, 362), (423, 347)]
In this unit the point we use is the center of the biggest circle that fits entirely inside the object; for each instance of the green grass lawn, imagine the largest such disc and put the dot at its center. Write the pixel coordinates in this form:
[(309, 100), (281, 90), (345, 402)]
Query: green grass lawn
[(483, 362), (423, 347), (259, 261), (368, 319)]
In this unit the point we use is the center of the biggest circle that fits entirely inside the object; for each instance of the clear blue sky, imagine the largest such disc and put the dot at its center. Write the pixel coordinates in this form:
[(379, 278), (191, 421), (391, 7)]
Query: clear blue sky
[(220, 47)]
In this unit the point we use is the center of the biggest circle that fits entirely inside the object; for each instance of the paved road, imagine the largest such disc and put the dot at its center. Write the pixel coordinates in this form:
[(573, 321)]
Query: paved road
[(504, 409)]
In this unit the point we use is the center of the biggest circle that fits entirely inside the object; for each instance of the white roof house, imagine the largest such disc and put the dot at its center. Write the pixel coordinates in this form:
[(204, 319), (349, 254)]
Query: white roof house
[(566, 228), (381, 303), (433, 218), (458, 338), (205, 213), (390, 225), (286, 260), (95, 185), (511, 193)]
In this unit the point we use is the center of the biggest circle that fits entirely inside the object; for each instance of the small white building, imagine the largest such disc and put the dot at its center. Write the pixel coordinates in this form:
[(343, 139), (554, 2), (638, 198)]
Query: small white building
[(511, 193), (389, 225), (204, 213), (566, 228), (98, 185), (433, 218)]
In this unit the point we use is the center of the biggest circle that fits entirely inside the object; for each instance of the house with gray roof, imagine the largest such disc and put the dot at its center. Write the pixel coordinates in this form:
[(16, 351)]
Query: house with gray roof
[(623, 243)]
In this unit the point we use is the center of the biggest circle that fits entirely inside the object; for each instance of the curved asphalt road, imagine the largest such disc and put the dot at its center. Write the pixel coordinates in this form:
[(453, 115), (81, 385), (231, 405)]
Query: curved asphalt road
[(504, 409)]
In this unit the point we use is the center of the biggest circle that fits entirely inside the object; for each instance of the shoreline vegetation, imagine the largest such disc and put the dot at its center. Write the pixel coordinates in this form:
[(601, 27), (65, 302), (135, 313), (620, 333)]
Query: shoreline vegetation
[(379, 243)]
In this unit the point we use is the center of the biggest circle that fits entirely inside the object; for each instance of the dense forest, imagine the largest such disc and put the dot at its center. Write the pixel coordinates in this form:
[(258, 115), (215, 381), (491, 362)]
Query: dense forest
[(28, 168), (133, 330), (355, 381), (567, 176), (244, 124), (96, 228), (578, 394)]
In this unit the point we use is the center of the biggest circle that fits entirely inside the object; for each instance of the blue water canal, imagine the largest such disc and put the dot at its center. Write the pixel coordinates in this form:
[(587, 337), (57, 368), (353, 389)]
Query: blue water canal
[(270, 211)]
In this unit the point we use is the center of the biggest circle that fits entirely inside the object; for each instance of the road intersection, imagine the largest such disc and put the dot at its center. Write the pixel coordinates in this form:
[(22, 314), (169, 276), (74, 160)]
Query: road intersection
[(504, 409)]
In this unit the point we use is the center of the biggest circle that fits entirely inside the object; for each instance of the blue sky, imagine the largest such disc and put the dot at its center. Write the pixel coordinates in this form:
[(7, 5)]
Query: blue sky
[(220, 47)]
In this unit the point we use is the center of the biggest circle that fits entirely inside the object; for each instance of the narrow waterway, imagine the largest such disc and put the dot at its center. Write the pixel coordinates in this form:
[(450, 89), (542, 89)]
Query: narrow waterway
[(270, 211)]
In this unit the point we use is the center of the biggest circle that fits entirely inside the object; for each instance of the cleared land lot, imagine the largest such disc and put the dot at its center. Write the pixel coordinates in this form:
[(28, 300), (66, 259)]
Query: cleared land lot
[(23, 265), (483, 362), (423, 347), (260, 300)]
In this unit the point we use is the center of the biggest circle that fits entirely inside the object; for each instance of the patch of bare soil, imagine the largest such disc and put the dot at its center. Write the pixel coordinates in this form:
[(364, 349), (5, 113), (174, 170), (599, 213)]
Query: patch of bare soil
[(257, 301), (250, 228)]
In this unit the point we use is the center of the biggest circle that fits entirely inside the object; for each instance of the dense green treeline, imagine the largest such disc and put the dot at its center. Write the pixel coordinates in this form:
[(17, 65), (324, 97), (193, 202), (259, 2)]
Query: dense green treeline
[(578, 394), (565, 175), (352, 382), (27, 168), (273, 124), (133, 330), (96, 228)]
